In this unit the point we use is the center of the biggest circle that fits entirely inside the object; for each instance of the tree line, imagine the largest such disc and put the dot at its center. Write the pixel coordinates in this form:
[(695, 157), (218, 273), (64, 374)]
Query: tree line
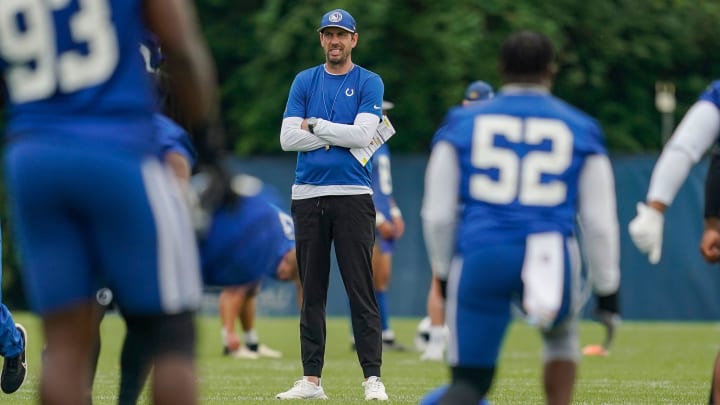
[(610, 54)]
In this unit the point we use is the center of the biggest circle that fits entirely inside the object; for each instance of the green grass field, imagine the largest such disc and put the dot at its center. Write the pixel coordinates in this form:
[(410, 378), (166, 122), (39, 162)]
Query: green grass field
[(651, 363)]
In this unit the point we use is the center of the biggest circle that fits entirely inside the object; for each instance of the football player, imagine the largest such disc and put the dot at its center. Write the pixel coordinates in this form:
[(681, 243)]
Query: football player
[(519, 169), (243, 245), (696, 133), (476, 92), (389, 227), (88, 198)]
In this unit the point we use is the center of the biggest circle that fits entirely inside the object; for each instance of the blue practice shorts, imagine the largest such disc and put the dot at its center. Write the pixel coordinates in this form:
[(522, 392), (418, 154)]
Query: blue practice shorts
[(88, 216), (480, 293), (386, 245)]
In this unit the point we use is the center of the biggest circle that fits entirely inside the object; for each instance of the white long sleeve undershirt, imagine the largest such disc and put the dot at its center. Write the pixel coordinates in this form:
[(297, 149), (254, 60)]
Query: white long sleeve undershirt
[(357, 135), (440, 207), (694, 135), (597, 216)]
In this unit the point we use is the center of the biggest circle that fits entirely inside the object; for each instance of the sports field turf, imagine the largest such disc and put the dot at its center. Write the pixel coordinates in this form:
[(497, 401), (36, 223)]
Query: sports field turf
[(651, 363)]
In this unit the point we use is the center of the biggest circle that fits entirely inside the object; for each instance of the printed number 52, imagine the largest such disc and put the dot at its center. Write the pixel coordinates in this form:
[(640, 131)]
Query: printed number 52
[(520, 177)]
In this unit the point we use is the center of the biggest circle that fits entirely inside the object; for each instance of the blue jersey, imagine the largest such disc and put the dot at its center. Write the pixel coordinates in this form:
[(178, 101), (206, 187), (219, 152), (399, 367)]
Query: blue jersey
[(74, 70), (173, 138), (712, 93), (246, 242), (520, 157), (80, 112), (382, 181), (337, 98)]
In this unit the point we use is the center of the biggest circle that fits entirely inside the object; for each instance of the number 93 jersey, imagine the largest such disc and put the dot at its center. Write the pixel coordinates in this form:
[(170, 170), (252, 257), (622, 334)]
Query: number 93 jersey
[(520, 156), (71, 65)]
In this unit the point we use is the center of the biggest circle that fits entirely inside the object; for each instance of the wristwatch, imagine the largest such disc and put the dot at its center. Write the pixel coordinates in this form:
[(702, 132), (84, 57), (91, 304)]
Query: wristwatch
[(311, 122)]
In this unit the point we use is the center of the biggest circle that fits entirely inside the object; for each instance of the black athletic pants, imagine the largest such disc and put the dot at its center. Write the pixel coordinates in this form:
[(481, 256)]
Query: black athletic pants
[(348, 222)]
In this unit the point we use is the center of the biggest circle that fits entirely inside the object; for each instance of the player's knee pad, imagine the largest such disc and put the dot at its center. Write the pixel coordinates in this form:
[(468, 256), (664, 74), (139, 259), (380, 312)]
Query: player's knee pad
[(561, 342), (164, 334)]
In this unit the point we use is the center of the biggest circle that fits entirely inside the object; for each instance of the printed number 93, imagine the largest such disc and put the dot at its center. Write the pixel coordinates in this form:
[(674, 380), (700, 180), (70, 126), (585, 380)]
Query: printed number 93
[(520, 177), (36, 70)]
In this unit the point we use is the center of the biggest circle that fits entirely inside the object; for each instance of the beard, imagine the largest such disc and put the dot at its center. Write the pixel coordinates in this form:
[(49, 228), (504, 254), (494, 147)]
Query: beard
[(337, 60)]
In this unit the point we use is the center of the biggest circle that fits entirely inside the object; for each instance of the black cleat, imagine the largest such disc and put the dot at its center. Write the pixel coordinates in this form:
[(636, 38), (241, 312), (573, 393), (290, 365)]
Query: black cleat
[(14, 368), (391, 345)]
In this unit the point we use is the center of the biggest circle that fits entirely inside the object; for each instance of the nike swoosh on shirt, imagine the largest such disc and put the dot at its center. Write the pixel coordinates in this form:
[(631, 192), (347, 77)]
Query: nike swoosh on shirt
[(376, 107)]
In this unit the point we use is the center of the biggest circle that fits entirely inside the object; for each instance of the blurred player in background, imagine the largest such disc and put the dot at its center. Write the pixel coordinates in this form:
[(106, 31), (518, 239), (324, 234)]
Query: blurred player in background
[(389, 227), (710, 243), (696, 133), (520, 169), (175, 149), (261, 237), (434, 347), (476, 91), (177, 152), (13, 345), (80, 118)]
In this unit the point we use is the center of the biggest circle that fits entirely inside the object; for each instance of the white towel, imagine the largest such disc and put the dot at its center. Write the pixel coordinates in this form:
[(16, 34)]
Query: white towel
[(542, 277)]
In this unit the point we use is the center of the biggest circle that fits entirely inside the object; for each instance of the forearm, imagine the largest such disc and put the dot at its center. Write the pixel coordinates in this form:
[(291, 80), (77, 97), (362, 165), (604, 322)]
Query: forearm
[(439, 207), (294, 138), (609, 302), (599, 224), (440, 244), (357, 135), (669, 174)]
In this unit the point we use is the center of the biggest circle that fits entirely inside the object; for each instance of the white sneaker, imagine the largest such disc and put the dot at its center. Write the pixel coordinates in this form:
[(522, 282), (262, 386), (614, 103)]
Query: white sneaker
[(264, 351), (304, 389), (433, 353), (244, 353), (374, 389)]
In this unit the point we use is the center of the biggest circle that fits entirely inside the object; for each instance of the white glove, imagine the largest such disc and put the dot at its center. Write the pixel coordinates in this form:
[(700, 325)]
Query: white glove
[(646, 231)]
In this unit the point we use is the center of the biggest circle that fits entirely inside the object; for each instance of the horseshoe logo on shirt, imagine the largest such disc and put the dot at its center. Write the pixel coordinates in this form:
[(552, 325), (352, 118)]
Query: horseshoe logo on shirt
[(349, 92)]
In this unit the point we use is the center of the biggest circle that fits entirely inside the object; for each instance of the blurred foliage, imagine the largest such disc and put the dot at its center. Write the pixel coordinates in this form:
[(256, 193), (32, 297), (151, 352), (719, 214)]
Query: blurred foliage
[(13, 294), (610, 54)]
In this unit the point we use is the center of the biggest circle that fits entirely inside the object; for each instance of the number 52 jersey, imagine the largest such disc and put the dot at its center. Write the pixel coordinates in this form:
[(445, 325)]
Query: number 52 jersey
[(520, 157)]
